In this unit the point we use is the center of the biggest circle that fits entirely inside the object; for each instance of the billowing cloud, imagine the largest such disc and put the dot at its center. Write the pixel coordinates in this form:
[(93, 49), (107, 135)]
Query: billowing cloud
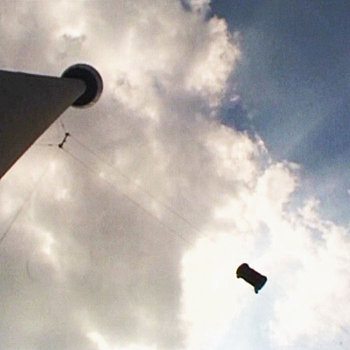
[(199, 6), (129, 239), (304, 256)]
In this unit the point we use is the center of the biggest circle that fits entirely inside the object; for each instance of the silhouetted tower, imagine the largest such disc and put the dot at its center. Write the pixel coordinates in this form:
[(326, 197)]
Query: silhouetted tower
[(30, 103), (251, 276)]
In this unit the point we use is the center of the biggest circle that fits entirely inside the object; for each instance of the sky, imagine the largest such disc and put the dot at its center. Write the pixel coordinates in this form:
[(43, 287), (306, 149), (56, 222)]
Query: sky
[(297, 55), (220, 138)]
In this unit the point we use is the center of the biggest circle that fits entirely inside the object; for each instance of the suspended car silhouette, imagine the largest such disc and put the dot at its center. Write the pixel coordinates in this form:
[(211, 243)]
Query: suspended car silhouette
[(251, 276)]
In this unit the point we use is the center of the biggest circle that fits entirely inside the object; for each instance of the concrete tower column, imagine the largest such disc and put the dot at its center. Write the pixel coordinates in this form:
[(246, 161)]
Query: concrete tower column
[(30, 103)]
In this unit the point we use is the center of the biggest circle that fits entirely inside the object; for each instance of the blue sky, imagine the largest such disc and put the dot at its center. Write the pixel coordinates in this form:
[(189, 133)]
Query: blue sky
[(294, 84)]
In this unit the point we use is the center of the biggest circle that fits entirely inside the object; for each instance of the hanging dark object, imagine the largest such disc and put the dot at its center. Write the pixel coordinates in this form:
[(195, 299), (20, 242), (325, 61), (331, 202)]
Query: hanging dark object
[(251, 276), (66, 135)]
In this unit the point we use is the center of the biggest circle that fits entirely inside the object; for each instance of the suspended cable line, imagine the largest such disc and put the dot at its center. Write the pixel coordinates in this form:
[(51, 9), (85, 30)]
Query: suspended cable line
[(62, 125), (122, 174), (45, 144), (64, 140), (140, 188), (162, 203), (26, 201), (36, 185), (92, 170), (138, 205)]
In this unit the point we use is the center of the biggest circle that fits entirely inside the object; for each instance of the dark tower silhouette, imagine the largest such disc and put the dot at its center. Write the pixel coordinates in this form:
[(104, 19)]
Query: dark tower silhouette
[(251, 276), (30, 103)]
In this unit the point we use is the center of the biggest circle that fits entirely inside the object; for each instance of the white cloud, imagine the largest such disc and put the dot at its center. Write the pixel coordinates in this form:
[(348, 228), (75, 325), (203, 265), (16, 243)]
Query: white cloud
[(96, 271), (307, 286), (315, 305), (83, 257), (200, 6)]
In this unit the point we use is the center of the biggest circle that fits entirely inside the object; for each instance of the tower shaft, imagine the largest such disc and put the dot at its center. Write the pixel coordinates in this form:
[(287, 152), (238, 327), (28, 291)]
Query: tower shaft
[(29, 104)]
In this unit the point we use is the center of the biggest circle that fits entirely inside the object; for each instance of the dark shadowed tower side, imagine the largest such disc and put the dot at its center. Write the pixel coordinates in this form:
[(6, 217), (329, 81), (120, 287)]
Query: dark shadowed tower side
[(30, 103), (251, 276)]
